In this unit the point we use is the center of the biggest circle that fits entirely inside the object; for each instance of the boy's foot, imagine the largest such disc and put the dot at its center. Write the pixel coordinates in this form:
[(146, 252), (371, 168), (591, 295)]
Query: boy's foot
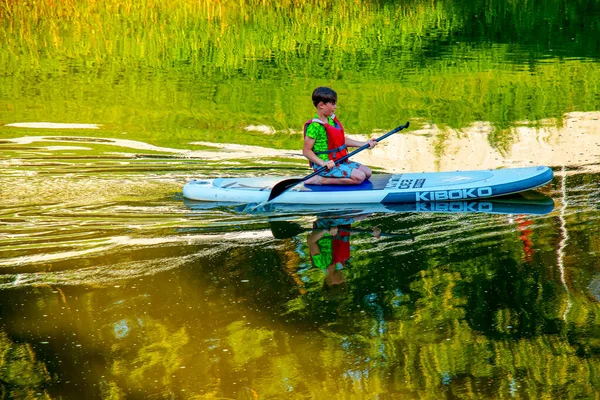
[(315, 180)]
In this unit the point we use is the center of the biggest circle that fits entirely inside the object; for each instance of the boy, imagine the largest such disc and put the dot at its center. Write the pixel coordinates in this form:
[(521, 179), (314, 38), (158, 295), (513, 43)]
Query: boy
[(325, 142), (329, 245)]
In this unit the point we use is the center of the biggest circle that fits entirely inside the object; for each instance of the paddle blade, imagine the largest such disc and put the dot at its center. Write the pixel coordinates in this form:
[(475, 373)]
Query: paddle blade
[(282, 186), (285, 229)]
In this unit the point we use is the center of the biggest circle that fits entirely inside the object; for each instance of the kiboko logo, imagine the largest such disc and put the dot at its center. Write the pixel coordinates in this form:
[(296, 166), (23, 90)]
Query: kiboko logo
[(457, 194), (457, 206)]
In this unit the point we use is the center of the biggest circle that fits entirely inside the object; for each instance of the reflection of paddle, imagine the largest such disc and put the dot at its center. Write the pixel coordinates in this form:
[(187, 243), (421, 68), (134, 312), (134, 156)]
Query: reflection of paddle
[(286, 230), (282, 186)]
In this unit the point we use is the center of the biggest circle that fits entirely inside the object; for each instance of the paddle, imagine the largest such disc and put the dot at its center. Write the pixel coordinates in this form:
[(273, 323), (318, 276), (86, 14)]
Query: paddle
[(287, 229), (282, 186)]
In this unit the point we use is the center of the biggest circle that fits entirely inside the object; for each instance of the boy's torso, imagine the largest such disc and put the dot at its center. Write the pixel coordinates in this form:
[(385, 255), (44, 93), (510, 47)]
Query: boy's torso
[(318, 132)]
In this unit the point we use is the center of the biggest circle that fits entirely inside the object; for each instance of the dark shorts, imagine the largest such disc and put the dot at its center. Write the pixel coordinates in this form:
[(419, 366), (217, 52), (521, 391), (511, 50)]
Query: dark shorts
[(342, 170)]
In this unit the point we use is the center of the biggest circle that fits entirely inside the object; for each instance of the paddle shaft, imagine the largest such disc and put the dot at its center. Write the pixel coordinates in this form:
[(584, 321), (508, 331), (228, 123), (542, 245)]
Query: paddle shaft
[(282, 186), (286, 230), (363, 147)]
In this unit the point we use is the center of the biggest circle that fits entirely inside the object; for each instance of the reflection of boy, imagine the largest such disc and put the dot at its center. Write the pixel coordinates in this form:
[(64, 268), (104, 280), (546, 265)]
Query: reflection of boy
[(324, 247), (340, 240), (325, 142), (329, 246)]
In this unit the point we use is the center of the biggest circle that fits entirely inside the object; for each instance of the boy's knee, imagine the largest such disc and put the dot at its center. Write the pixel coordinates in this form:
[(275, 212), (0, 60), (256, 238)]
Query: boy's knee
[(365, 170), (358, 176)]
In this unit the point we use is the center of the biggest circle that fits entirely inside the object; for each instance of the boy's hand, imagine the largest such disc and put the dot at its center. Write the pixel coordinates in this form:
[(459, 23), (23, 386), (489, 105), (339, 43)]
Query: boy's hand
[(372, 143), (329, 164)]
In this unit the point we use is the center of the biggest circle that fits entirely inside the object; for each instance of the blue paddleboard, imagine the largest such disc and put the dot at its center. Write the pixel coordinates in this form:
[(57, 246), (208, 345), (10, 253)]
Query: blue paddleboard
[(424, 187)]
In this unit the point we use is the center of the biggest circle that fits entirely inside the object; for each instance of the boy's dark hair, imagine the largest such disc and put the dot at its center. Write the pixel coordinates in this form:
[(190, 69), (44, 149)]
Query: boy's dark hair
[(325, 95)]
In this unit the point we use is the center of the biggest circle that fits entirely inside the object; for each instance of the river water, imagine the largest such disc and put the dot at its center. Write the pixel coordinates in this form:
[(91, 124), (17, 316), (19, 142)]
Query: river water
[(112, 286)]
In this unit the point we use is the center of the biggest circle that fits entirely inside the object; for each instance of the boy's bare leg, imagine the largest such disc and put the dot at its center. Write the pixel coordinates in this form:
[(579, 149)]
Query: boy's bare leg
[(366, 170), (315, 180), (356, 177)]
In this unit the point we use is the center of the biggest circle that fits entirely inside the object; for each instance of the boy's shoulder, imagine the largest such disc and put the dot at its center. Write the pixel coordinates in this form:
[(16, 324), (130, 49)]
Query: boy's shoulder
[(315, 130), (316, 121), (316, 127)]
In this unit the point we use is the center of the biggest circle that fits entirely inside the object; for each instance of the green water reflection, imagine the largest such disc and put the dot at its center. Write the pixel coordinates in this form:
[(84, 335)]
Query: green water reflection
[(175, 72)]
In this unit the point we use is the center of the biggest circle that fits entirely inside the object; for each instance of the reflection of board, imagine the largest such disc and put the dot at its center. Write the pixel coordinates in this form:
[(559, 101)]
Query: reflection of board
[(534, 203), (383, 188)]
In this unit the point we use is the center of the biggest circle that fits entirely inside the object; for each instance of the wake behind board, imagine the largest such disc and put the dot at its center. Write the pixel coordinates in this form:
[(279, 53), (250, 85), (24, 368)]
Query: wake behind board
[(381, 188)]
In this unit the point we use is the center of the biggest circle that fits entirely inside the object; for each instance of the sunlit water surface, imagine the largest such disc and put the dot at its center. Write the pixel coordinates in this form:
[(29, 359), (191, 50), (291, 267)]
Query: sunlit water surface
[(113, 285)]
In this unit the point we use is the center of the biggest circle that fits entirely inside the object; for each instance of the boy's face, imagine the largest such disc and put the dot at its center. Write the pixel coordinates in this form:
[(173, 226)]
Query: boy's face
[(327, 108)]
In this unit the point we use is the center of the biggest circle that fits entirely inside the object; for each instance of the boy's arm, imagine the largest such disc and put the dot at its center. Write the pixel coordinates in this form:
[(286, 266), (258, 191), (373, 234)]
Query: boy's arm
[(307, 151), (316, 235), (355, 143), (312, 240)]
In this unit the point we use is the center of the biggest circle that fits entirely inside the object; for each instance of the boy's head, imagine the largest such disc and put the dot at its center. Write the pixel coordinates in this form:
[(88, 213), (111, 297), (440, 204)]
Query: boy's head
[(325, 95)]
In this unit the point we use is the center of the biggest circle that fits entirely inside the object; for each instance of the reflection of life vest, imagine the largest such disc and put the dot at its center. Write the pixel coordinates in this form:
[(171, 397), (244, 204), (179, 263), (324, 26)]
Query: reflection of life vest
[(341, 245), (336, 141), (523, 227)]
